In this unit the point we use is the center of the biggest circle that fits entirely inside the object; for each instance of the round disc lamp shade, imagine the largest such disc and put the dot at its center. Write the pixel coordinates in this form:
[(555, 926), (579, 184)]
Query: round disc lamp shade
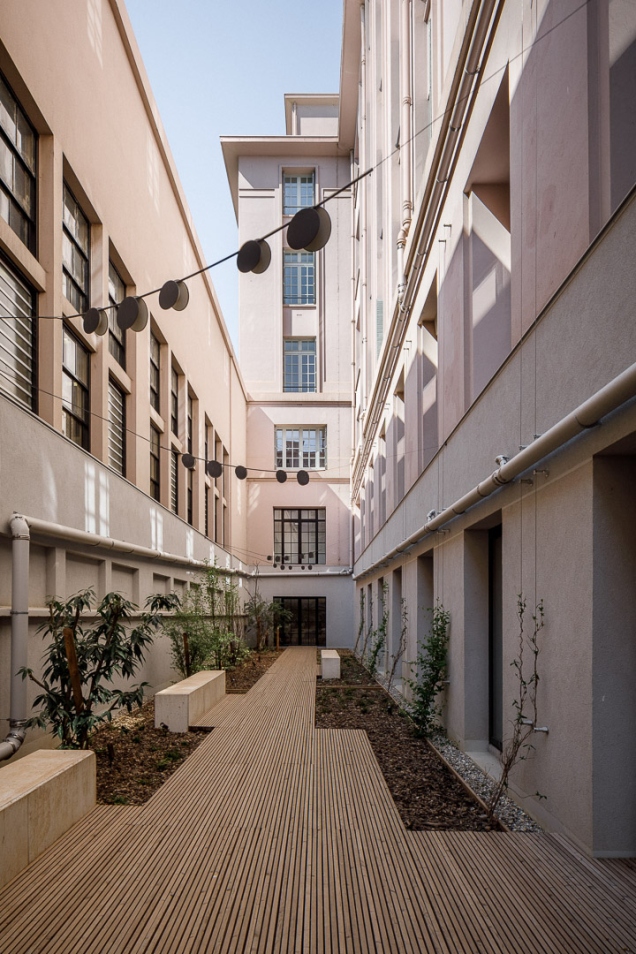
[(309, 229), (96, 320), (132, 313), (174, 295), (214, 468), (254, 257)]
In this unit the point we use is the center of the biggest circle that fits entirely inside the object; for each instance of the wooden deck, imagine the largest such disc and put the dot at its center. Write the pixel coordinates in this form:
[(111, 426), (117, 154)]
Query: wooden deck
[(274, 836)]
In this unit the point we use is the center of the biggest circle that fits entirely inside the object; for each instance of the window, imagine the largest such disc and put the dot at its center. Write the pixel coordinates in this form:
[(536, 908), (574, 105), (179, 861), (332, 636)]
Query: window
[(300, 364), (154, 372), (155, 443), (298, 192), (17, 168), (190, 488), (174, 481), (301, 447), (75, 245), (299, 286), (116, 428), (17, 337), (174, 402), (116, 335), (75, 410), (299, 536)]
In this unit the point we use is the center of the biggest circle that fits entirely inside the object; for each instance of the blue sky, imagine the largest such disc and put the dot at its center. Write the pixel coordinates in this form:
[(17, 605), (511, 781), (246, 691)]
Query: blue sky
[(222, 68)]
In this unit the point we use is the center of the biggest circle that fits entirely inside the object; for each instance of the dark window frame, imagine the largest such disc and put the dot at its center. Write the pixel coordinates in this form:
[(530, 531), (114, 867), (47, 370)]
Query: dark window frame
[(300, 536), (116, 335), (121, 470), (80, 294), (155, 462), (83, 386), (18, 340), (155, 374), (26, 217)]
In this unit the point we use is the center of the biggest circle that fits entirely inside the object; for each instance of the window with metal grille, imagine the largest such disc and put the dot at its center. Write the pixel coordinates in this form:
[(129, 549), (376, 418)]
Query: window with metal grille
[(116, 428), (17, 168), (301, 447), (300, 364), (174, 481), (75, 253), (174, 402), (299, 278), (298, 192), (190, 497), (189, 424), (116, 335), (155, 444), (154, 372), (208, 491), (299, 536), (75, 390), (17, 337)]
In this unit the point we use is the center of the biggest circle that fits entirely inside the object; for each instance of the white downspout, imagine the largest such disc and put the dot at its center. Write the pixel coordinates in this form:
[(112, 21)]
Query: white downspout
[(19, 635)]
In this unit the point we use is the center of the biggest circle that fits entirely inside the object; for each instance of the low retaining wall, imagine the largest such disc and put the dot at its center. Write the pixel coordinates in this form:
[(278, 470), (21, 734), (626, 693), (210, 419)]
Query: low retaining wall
[(183, 704), (41, 796)]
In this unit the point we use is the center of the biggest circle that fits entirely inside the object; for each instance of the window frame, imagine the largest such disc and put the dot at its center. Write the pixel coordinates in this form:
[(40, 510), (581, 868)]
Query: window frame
[(116, 335), (300, 375), (299, 272), (291, 208), (284, 456), (80, 296), (174, 401), (18, 339), (174, 480), (113, 386), (30, 172), (155, 375), (84, 387), (155, 462), (300, 519)]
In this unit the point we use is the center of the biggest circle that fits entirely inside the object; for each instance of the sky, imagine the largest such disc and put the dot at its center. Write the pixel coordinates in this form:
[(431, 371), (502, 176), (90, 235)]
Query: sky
[(221, 68)]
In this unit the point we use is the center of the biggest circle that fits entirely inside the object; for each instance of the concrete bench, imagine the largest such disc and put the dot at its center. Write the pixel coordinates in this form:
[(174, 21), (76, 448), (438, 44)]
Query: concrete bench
[(41, 796), (183, 704), (329, 664)]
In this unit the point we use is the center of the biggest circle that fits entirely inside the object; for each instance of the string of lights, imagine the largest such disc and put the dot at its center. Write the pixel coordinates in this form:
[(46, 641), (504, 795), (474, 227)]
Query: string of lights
[(213, 468)]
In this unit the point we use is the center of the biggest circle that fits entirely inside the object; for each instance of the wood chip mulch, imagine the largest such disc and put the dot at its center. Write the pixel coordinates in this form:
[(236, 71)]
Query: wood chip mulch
[(426, 794), (134, 759)]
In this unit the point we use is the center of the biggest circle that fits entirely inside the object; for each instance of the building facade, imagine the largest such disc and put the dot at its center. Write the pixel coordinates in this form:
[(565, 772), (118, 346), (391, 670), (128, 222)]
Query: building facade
[(295, 349), (494, 376), (95, 425)]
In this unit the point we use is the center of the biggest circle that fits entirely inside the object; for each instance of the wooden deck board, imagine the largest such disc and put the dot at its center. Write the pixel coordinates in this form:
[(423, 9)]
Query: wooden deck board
[(277, 837)]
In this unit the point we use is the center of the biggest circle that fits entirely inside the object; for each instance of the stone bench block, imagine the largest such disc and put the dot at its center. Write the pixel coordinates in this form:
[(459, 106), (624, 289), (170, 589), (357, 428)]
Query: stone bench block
[(183, 704), (41, 796), (330, 664)]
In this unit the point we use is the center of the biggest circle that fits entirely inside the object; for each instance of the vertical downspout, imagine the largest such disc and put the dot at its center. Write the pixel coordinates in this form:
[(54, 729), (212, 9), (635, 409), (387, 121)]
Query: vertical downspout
[(19, 635), (406, 146)]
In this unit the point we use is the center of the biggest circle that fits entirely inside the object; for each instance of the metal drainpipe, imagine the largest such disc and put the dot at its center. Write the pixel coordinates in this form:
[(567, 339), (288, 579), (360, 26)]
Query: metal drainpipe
[(19, 635)]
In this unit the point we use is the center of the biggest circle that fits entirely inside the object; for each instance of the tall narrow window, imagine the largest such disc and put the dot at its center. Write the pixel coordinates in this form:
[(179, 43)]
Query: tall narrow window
[(190, 445), (154, 372), (75, 393), (17, 337), (190, 415), (116, 428), (299, 536), (174, 402), (208, 491), (17, 168), (174, 481), (298, 192), (155, 444), (75, 253), (299, 278), (301, 447), (300, 364), (116, 335)]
